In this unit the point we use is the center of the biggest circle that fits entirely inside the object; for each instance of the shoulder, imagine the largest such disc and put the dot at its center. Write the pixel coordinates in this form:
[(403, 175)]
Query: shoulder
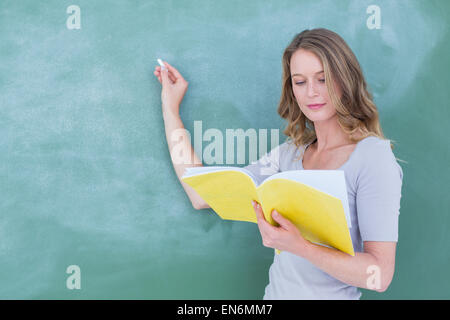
[(375, 149), (376, 159), (274, 155), (290, 153), (286, 149)]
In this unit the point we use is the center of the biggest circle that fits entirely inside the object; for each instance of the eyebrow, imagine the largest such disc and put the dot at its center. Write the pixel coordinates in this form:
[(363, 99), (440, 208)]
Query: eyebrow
[(299, 74)]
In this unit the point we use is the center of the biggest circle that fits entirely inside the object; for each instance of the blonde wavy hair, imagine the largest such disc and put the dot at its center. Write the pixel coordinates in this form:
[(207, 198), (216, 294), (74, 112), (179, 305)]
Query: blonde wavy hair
[(357, 114)]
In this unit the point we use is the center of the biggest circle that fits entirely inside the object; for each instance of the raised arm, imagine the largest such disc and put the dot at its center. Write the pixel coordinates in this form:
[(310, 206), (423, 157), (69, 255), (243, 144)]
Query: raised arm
[(174, 87)]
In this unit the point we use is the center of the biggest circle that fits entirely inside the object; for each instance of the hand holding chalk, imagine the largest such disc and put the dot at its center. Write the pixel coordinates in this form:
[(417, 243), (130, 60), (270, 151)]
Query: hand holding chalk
[(163, 67), (174, 86), (158, 71)]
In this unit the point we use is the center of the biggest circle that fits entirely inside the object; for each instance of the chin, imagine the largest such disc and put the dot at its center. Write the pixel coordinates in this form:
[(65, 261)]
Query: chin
[(319, 115)]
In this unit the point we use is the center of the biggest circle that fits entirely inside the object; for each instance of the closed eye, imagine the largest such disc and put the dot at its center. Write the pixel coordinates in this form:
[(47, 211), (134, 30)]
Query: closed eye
[(302, 82)]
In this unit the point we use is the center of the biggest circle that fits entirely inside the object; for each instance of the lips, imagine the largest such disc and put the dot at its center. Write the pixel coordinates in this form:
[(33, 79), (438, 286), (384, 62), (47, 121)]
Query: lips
[(316, 106)]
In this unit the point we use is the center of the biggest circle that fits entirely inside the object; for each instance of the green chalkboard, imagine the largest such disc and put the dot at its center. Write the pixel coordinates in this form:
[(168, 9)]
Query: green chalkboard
[(86, 176)]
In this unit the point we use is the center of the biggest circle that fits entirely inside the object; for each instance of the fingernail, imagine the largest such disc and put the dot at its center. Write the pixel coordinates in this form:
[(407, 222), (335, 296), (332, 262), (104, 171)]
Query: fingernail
[(253, 203)]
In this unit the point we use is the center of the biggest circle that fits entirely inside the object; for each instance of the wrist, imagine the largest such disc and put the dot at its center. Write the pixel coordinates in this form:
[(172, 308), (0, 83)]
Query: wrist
[(304, 248), (170, 113)]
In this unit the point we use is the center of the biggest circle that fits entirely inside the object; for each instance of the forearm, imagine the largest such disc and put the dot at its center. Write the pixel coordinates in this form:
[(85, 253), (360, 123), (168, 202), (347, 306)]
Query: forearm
[(353, 270), (179, 142), (181, 151)]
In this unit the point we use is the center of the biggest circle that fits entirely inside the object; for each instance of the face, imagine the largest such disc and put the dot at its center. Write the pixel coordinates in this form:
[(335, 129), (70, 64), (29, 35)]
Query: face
[(309, 87)]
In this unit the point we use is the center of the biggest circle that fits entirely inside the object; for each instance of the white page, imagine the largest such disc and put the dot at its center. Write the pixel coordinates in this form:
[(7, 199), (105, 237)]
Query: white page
[(331, 182), (194, 171)]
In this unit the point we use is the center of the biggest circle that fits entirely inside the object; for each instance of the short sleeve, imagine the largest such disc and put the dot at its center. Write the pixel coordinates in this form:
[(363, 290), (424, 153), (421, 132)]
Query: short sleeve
[(267, 165), (378, 193)]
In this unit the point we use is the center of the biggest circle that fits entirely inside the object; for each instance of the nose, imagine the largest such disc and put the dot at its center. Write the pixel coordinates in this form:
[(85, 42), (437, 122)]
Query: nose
[(311, 89)]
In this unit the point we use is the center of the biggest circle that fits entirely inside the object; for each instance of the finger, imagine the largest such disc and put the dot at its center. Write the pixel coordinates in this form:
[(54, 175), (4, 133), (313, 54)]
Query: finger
[(165, 78), (173, 70), (282, 221), (158, 76), (263, 225), (258, 211), (171, 76)]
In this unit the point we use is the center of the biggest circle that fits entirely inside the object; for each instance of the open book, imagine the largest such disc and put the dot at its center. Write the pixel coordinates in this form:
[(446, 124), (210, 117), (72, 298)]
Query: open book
[(313, 200)]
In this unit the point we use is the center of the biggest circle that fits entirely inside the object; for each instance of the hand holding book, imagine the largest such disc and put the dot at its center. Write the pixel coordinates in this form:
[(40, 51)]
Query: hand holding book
[(285, 237)]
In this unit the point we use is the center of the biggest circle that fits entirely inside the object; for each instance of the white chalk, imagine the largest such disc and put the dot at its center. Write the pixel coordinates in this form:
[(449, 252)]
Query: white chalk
[(161, 64)]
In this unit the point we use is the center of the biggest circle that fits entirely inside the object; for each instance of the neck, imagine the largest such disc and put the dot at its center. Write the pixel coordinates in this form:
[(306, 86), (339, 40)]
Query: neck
[(329, 135)]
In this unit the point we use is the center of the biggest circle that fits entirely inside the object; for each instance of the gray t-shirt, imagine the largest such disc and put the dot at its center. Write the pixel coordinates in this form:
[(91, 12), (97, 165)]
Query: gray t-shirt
[(374, 182)]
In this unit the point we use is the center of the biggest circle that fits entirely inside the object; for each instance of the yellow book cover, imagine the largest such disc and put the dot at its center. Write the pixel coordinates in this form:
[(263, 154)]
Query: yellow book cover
[(314, 200)]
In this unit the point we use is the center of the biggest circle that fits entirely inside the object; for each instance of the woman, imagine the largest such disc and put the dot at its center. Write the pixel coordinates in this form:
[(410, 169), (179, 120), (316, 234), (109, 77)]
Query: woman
[(333, 124)]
